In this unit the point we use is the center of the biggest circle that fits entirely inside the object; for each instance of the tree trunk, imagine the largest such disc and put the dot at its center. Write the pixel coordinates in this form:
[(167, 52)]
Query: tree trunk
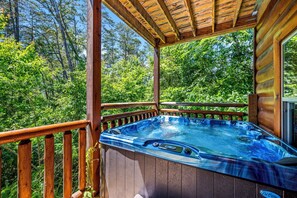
[(12, 17), (17, 21), (61, 27)]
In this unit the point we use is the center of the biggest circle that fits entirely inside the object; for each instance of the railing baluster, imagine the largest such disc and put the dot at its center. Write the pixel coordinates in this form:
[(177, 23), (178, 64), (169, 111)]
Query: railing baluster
[(126, 121), (220, 117), (49, 151), (211, 116), (203, 116), (82, 159), (0, 170), (67, 164), (229, 117), (189, 115), (136, 118), (24, 169), (105, 126), (131, 119), (120, 122), (112, 124), (239, 118)]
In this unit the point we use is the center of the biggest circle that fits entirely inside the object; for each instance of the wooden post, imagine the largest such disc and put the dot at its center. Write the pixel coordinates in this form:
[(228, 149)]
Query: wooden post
[(94, 87), (120, 122), (254, 61), (67, 164), (82, 160), (49, 152), (253, 108), (0, 170), (24, 169), (157, 74)]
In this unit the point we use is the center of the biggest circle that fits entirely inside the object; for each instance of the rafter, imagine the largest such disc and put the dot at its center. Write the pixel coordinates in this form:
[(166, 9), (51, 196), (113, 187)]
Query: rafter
[(191, 14), (147, 18), (261, 7), (223, 28), (117, 7), (169, 18), (236, 11), (213, 15)]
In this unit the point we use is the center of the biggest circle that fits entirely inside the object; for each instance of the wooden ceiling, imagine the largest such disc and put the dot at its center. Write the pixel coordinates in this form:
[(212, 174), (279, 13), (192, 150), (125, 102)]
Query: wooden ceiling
[(174, 21)]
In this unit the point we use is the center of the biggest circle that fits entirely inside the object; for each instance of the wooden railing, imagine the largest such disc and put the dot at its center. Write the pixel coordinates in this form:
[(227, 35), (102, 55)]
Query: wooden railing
[(213, 114), (25, 157), (111, 121), (23, 136)]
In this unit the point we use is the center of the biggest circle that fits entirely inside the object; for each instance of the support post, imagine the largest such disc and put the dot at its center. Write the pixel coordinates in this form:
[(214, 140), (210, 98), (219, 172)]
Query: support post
[(24, 169), (253, 108), (157, 74), (254, 62), (94, 88)]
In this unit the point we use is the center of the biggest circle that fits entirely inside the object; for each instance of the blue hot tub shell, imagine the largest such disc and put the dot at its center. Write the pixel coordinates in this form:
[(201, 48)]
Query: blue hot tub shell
[(278, 169)]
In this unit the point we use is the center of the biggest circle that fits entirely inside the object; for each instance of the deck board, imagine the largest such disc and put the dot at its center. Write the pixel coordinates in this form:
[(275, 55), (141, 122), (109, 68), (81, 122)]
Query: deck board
[(111, 175), (139, 175), (161, 178), (188, 182), (150, 175), (174, 179), (204, 184), (223, 186), (129, 171), (121, 165), (249, 190)]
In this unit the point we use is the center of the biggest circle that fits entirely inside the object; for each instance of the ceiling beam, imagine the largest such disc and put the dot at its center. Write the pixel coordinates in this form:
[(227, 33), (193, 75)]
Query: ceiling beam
[(169, 18), (191, 14), (261, 7), (213, 15), (236, 11), (117, 7), (137, 5)]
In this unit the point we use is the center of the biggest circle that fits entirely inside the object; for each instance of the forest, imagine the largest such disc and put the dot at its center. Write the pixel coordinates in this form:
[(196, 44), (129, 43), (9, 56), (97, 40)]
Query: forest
[(43, 74)]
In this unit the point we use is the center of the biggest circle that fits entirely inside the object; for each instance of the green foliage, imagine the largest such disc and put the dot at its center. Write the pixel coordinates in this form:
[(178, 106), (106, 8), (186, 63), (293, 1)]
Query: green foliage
[(217, 69), (127, 81), (290, 69)]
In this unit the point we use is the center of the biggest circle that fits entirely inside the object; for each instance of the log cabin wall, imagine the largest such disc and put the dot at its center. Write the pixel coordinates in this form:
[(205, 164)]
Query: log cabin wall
[(277, 22)]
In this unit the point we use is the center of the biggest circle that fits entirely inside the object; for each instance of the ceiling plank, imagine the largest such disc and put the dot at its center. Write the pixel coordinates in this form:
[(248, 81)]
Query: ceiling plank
[(117, 7), (191, 14), (236, 11), (137, 5), (224, 28), (213, 15), (169, 18)]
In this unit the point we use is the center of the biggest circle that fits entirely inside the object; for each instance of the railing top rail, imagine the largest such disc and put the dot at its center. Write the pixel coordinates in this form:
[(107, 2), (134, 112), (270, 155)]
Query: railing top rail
[(23, 134), (124, 115), (203, 112), (123, 105), (204, 104)]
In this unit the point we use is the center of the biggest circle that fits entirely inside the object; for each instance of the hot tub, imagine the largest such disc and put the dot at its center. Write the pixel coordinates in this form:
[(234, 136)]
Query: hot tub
[(196, 158)]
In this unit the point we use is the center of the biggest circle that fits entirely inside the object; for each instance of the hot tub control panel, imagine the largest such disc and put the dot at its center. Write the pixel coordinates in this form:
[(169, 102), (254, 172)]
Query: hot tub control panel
[(172, 147)]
